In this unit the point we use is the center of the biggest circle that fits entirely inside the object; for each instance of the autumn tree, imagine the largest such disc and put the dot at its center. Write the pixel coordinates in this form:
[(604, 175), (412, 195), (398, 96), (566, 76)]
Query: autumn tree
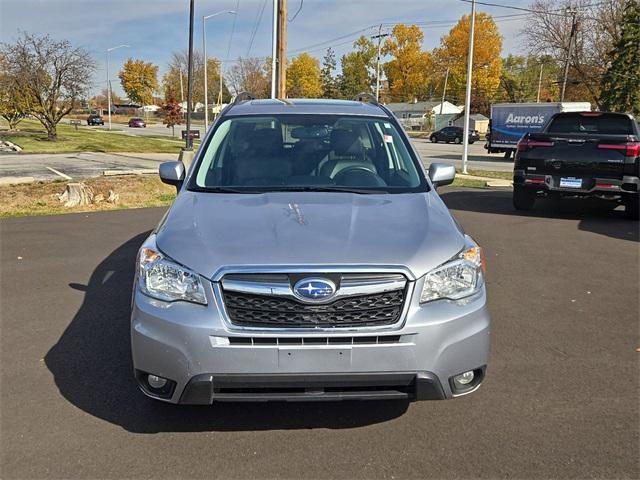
[(53, 74), (621, 81), (172, 114), (327, 76), (139, 80), (487, 64), (251, 75), (303, 77), (14, 103), (599, 29), (179, 66), (358, 68), (408, 71)]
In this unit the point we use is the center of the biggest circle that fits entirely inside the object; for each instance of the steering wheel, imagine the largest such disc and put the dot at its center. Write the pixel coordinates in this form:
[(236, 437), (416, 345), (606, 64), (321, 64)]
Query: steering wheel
[(358, 176)]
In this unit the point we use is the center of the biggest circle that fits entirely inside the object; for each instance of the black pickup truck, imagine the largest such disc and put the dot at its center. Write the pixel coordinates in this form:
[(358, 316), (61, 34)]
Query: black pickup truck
[(580, 154)]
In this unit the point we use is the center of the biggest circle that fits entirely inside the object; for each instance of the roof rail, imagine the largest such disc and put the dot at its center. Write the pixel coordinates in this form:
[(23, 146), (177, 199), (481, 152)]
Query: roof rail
[(243, 97), (366, 97)]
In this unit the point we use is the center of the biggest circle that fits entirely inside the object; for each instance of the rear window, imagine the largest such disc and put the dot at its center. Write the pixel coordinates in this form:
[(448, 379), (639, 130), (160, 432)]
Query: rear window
[(605, 123)]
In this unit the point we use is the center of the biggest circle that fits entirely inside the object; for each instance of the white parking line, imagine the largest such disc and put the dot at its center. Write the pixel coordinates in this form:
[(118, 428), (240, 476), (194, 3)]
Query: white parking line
[(65, 176)]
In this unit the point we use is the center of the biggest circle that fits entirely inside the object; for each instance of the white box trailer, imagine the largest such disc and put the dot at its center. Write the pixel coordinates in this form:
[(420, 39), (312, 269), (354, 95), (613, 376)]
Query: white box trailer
[(510, 121)]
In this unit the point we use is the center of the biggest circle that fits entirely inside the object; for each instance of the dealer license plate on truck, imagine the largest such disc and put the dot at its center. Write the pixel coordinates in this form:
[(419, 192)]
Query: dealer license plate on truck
[(570, 182)]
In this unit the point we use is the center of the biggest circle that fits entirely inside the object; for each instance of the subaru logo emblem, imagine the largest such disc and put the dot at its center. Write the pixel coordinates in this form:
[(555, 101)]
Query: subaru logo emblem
[(314, 289)]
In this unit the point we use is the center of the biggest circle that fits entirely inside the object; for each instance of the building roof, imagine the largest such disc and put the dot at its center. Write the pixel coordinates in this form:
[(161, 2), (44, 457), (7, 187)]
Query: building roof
[(478, 116), (306, 106)]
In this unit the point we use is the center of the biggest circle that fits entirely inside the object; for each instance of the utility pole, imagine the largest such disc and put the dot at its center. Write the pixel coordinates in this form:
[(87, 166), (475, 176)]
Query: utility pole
[(574, 28), (274, 48), (181, 87), (539, 83), (379, 36), (282, 50), (467, 103), (188, 140)]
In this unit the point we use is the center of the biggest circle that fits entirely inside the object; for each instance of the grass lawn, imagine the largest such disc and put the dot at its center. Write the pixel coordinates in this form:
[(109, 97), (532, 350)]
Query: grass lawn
[(32, 137), (40, 198), (492, 174)]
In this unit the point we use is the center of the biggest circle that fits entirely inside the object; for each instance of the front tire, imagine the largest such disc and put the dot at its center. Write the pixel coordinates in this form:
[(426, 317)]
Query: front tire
[(434, 139), (457, 140), (523, 199), (632, 206)]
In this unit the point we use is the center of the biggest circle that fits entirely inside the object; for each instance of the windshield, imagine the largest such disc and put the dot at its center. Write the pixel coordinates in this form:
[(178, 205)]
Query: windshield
[(307, 152)]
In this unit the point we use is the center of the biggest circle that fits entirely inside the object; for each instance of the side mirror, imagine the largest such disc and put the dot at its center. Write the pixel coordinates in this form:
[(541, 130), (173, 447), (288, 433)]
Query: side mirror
[(172, 173), (441, 174)]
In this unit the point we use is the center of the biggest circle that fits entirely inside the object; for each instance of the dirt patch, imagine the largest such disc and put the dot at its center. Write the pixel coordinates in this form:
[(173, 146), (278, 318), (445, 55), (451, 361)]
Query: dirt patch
[(41, 198)]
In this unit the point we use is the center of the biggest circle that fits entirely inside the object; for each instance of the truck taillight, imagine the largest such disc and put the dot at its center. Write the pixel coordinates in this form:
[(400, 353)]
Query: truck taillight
[(630, 149), (526, 143)]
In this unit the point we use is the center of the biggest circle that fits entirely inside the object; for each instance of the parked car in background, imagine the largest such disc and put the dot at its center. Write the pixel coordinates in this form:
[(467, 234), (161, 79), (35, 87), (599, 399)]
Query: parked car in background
[(580, 154), (308, 256), (95, 119), (137, 123), (453, 135)]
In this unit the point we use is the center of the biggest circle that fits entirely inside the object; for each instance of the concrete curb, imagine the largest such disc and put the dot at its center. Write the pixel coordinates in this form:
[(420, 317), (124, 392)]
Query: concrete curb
[(142, 171)]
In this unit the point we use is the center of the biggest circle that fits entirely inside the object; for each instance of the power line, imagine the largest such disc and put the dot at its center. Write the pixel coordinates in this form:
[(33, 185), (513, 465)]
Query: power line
[(233, 28), (297, 12), (256, 27)]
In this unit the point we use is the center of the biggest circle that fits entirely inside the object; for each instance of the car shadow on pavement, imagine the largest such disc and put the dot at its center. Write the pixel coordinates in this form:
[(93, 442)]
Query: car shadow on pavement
[(91, 366), (594, 215)]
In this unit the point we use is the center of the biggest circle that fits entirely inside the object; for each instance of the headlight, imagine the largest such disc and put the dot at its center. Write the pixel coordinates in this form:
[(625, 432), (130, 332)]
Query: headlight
[(460, 277), (165, 280)]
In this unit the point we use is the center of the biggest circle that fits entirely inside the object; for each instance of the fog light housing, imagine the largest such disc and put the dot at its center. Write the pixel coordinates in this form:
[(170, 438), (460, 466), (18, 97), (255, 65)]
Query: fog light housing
[(156, 382), (466, 382)]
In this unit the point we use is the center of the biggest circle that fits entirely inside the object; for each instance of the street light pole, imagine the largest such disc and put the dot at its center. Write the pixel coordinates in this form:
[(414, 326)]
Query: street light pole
[(467, 104), (109, 50), (204, 49), (274, 48)]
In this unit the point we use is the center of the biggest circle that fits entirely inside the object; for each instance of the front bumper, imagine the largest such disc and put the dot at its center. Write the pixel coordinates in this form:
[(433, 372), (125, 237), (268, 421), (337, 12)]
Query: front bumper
[(206, 359)]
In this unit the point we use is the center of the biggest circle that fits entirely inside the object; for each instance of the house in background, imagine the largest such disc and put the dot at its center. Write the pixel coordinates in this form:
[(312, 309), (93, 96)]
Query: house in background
[(477, 121), (418, 115)]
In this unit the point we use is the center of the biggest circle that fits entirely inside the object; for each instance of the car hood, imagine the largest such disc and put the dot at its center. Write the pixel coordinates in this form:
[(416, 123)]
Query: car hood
[(210, 231)]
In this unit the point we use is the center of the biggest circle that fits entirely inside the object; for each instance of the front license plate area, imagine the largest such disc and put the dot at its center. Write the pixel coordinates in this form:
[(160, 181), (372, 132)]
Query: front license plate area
[(570, 182), (314, 359)]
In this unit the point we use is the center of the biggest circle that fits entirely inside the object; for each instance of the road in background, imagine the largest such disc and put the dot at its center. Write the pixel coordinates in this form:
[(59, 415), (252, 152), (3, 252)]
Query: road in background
[(89, 164), (76, 165), (559, 400)]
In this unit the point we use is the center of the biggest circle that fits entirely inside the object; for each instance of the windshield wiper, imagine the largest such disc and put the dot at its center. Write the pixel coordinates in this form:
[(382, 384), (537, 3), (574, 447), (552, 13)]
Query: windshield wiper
[(224, 190), (319, 188)]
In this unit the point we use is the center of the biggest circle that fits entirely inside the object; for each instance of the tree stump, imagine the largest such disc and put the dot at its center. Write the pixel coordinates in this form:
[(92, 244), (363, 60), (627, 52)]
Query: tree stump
[(77, 194)]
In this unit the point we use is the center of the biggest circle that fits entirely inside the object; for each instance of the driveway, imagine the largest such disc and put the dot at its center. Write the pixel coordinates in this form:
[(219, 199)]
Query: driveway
[(560, 398)]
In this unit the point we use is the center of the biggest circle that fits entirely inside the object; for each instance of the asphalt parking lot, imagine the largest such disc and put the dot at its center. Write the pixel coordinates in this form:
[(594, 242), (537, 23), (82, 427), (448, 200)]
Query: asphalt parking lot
[(560, 399)]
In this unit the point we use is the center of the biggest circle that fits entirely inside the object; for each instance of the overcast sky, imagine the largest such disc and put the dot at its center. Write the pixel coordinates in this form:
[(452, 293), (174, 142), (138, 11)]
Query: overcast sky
[(155, 28)]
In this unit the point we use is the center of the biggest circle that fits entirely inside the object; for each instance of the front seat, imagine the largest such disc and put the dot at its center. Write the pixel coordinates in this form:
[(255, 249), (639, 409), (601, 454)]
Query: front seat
[(346, 151), (264, 162)]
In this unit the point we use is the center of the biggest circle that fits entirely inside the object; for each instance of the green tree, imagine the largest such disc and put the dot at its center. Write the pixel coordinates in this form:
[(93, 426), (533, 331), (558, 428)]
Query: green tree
[(520, 77), (303, 77), (139, 80), (358, 68), (620, 88), (52, 74), (408, 71), (172, 115), (329, 82)]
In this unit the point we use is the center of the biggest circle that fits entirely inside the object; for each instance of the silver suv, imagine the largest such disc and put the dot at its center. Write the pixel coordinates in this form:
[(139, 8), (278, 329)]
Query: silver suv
[(308, 256)]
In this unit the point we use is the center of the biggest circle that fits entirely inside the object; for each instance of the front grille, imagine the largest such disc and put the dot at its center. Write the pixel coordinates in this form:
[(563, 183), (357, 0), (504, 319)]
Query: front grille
[(253, 310)]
